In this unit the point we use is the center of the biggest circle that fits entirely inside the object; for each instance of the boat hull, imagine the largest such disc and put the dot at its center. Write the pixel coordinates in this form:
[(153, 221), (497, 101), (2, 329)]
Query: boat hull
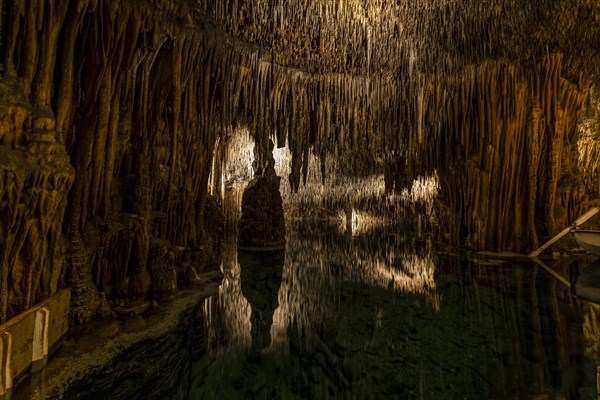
[(587, 284), (589, 240)]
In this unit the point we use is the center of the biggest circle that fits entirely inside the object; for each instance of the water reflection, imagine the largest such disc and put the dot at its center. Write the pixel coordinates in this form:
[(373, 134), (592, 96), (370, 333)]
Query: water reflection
[(300, 285), (260, 280), (591, 330), (381, 316)]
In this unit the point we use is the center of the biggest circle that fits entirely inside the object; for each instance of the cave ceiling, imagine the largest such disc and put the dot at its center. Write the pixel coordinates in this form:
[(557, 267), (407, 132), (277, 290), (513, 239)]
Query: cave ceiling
[(366, 37)]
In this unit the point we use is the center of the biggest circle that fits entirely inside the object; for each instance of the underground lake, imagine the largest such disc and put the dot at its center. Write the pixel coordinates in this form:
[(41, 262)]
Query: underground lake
[(374, 315)]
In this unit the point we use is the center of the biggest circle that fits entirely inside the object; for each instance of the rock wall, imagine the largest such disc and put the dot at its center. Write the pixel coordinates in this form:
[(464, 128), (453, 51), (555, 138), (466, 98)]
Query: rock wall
[(35, 178), (589, 147), (506, 152), (106, 134), (262, 223)]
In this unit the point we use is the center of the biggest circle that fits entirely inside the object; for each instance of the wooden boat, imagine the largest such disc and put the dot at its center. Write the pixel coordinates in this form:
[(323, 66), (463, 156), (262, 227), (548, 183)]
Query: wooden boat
[(588, 239), (587, 284)]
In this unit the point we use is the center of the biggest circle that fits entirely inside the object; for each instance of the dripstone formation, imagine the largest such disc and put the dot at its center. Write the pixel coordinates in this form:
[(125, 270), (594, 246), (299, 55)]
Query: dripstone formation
[(105, 152), (262, 223), (113, 115)]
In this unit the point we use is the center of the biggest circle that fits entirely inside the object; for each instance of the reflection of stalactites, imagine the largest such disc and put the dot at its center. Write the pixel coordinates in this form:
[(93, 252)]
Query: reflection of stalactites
[(281, 321), (414, 274), (317, 266), (305, 298), (362, 222), (420, 278), (591, 329), (229, 307), (236, 312), (234, 306), (228, 315)]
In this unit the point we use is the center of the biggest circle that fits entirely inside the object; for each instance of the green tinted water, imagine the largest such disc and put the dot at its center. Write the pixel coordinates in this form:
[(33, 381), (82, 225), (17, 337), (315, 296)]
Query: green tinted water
[(382, 316)]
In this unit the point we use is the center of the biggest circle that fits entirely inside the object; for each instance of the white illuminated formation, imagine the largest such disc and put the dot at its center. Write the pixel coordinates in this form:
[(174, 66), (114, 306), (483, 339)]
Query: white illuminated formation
[(423, 190), (239, 156), (359, 203), (339, 188), (364, 195), (235, 171)]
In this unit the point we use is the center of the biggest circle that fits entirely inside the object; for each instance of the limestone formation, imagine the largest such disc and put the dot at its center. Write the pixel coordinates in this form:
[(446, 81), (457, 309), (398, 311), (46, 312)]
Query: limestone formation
[(85, 298), (164, 277), (114, 114), (104, 310), (589, 148), (104, 134), (212, 235), (262, 223), (35, 178)]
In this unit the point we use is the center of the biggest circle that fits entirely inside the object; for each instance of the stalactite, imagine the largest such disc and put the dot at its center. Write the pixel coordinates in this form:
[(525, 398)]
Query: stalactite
[(65, 93)]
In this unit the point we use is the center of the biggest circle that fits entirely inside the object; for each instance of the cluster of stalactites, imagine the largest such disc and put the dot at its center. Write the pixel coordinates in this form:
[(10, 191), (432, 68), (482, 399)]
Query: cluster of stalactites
[(108, 74), (503, 150), (472, 126), (589, 147), (367, 37), (115, 91)]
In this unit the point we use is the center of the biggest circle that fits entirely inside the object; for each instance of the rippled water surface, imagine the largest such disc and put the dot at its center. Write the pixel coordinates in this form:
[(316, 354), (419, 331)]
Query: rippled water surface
[(384, 316)]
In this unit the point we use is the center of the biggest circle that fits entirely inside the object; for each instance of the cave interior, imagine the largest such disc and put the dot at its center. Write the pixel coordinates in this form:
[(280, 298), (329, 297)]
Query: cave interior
[(135, 135)]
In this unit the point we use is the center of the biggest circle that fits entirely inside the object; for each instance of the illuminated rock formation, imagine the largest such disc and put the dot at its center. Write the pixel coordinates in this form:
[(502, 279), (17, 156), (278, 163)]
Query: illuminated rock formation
[(102, 105), (113, 116)]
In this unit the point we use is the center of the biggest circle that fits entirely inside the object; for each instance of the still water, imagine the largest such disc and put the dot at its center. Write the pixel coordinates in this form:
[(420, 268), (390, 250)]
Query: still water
[(381, 315)]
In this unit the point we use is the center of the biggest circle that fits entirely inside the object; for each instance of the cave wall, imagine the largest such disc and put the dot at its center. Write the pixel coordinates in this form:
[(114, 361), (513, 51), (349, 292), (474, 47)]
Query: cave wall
[(505, 147), (106, 144), (589, 147), (489, 95), (35, 178)]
